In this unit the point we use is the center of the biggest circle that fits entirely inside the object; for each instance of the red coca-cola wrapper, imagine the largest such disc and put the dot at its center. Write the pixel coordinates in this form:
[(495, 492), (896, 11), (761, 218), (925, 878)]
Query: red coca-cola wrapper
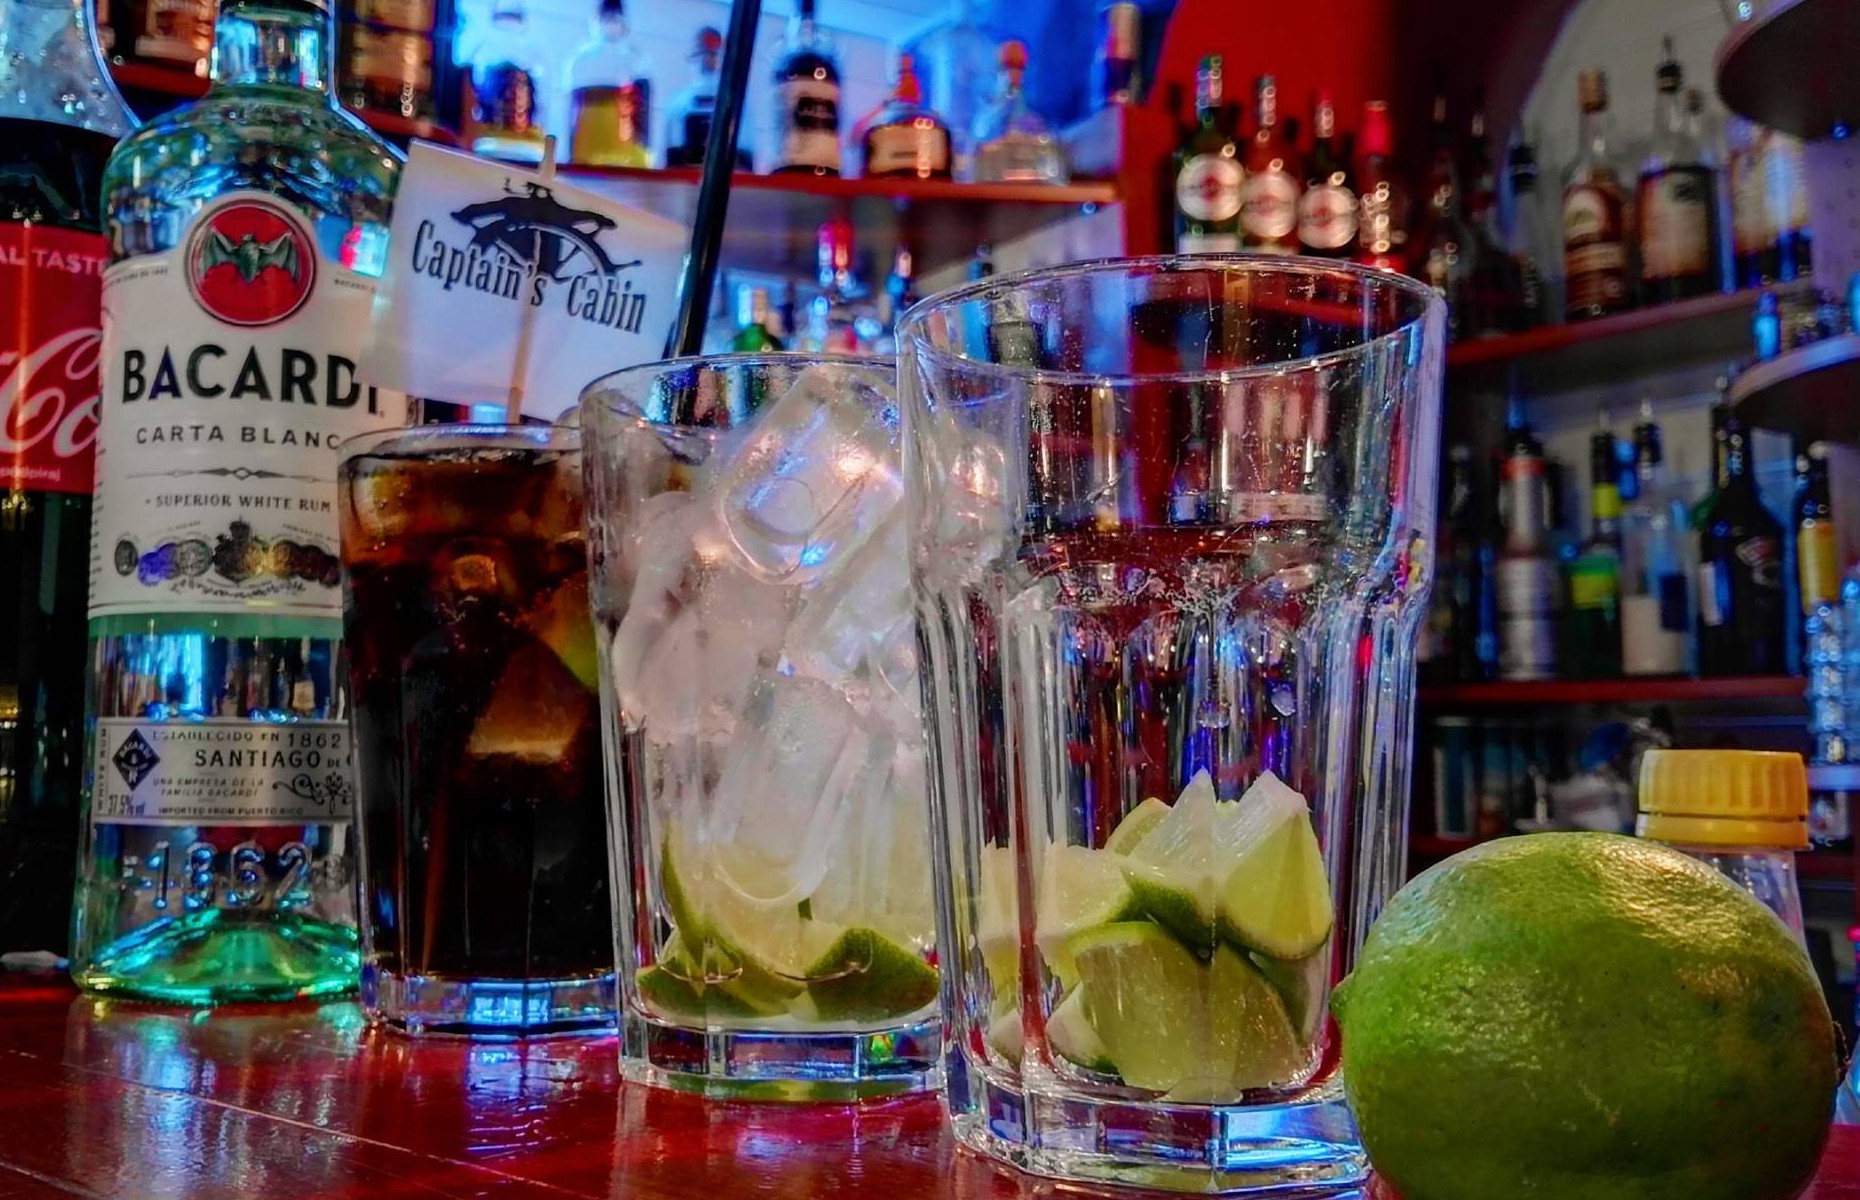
[(51, 283)]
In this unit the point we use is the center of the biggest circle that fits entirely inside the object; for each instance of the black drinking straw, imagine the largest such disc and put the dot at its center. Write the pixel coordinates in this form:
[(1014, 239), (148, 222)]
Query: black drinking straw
[(713, 198)]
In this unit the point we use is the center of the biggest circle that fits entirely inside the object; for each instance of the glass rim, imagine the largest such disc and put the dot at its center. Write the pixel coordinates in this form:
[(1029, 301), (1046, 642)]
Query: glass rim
[(910, 325), (425, 441), (626, 410)]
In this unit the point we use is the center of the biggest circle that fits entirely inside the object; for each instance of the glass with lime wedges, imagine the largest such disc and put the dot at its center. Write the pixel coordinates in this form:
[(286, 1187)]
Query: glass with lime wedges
[(1168, 525), (762, 715)]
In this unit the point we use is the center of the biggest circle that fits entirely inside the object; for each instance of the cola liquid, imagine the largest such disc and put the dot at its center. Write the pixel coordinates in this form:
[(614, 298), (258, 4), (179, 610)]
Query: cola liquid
[(478, 746), (51, 261)]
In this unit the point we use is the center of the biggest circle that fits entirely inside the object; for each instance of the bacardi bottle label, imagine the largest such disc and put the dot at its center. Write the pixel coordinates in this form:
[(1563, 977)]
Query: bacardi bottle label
[(1675, 223), (49, 283), (228, 386), (222, 772), (1269, 211), (809, 124), (1327, 217), (1594, 248)]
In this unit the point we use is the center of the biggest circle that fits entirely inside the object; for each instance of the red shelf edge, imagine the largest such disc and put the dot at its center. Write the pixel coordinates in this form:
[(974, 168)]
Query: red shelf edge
[(1549, 338), (1615, 691)]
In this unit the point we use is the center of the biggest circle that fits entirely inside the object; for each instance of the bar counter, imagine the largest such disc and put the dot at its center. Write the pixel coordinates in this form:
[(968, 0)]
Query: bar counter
[(109, 1099)]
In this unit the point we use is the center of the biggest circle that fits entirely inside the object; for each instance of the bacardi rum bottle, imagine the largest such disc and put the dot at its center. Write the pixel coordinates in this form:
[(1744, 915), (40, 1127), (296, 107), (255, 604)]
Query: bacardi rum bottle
[(246, 232)]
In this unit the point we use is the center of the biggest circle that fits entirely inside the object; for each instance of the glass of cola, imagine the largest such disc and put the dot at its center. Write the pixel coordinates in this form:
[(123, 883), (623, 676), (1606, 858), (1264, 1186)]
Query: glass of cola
[(478, 746)]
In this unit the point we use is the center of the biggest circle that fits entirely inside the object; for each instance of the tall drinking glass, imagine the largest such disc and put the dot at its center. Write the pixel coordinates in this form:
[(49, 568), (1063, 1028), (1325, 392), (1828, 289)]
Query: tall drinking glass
[(478, 751), (769, 808), (1168, 537)]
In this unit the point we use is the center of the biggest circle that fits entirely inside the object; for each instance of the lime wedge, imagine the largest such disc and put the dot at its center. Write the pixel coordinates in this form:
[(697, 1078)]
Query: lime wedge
[(864, 977), (1171, 872), (1136, 826), (997, 931), (1070, 1035), (1275, 895), (1080, 889), (1169, 1023), (1004, 1035), (758, 952), (1301, 985)]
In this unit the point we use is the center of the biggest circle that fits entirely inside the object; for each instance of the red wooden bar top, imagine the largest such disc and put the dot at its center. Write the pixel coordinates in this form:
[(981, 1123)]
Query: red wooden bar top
[(108, 1099)]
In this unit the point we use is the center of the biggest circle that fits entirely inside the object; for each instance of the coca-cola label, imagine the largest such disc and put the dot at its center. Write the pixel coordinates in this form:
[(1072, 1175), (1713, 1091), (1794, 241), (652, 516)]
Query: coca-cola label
[(228, 386), (49, 285)]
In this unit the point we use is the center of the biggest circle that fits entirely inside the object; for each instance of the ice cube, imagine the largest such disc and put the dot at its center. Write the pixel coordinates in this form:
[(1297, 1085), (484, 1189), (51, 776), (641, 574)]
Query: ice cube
[(536, 713), (804, 761), (879, 876), (696, 628), (815, 477), (846, 616), (549, 502), (475, 589)]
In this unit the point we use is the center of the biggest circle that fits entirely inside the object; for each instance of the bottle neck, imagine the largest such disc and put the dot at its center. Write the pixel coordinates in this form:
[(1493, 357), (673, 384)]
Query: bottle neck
[(1592, 136), (273, 43), (1730, 468)]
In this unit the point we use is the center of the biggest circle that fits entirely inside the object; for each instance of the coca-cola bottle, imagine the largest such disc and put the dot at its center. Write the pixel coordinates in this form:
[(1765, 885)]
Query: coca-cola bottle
[(59, 117)]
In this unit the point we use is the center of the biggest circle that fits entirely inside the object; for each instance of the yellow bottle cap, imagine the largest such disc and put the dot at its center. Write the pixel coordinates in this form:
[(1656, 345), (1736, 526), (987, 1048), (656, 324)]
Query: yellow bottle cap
[(1724, 798)]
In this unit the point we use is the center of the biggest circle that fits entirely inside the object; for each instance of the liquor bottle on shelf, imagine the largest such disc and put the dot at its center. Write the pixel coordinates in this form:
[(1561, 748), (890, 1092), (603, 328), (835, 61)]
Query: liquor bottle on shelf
[(1533, 239), (1676, 205), (1382, 195), (607, 90), (1120, 49), (1461, 642), (507, 109), (173, 34), (687, 129), (807, 99), (1595, 256), (1327, 210), (1525, 573), (387, 58), (1817, 552), (1766, 326), (1014, 144), (1274, 178), (958, 60), (1741, 623), (905, 140), (832, 320), (1592, 622), (1656, 590), (755, 333), (1769, 204), (1445, 253), (219, 844), (899, 295), (59, 117), (1208, 174)]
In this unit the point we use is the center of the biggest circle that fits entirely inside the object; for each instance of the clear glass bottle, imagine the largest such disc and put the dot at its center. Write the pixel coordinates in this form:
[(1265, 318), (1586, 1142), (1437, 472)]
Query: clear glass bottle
[(958, 60), (1014, 144), (832, 319), (687, 128), (903, 139), (1533, 237), (807, 99), (1743, 812), (507, 106), (1656, 591), (218, 859), (607, 95), (1595, 245), (1676, 202)]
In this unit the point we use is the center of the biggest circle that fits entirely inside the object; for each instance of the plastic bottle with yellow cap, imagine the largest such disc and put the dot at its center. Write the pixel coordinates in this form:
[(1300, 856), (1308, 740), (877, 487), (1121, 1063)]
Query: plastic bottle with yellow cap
[(1744, 812)]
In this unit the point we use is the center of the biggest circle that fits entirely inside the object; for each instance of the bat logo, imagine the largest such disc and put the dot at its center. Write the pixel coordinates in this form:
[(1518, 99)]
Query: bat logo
[(249, 255), (250, 260)]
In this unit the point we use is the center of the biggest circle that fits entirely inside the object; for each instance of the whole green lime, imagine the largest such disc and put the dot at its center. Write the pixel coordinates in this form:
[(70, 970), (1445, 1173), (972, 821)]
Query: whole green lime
[(1586, 1017)]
